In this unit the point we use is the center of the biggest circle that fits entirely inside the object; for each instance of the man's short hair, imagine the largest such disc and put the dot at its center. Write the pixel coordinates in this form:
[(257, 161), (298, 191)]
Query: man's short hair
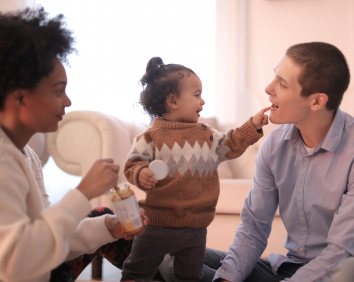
[(324, 70)]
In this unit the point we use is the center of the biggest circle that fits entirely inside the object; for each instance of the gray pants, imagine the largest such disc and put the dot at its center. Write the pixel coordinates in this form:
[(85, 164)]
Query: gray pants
[(187, 245)]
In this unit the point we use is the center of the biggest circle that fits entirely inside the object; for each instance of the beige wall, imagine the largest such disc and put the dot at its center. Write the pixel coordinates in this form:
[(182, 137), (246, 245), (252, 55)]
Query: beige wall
[(265, 29)]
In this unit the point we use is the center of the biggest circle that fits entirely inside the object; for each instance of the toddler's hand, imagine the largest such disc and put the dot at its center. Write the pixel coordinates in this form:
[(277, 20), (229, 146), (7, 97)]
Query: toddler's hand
[(260, 119), (145, 178)]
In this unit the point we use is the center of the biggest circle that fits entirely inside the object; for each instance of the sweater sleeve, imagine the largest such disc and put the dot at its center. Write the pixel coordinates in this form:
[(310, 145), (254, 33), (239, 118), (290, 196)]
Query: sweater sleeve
[(139, 157), (32, 248), (234, 142), (91, 234)]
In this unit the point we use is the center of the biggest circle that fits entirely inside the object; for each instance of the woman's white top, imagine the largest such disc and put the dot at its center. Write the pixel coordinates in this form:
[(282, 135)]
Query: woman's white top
[(36, 237)]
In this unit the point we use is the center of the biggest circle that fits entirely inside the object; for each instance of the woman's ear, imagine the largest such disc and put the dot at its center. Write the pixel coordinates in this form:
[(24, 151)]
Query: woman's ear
[(171, 101), (319, 100), (16, 97)]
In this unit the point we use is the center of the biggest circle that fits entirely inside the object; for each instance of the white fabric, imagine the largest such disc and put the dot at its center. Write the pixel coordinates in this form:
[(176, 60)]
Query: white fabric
[(34, 237), (308, 149)]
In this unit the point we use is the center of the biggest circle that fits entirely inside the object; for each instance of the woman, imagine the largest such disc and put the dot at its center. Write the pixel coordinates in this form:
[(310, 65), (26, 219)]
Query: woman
[(35, 238)]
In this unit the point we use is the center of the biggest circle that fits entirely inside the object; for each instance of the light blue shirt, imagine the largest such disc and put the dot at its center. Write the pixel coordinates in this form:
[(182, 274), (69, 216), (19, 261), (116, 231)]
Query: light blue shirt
[(315, 195)]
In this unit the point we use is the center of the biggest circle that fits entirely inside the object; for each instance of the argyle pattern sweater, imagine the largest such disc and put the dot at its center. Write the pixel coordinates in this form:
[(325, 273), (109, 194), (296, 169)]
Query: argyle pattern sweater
[(187, 197)]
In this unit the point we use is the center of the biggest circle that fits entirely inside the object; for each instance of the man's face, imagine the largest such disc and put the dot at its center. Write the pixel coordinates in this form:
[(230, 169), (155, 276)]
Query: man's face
[(284, 94)]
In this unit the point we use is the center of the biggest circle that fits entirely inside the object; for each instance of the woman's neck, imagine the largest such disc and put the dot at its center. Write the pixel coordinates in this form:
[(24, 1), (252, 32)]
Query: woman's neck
[(16, 133)]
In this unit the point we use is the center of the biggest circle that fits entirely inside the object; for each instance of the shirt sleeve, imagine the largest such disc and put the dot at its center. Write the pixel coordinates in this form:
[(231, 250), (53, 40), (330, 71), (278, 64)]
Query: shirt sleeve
[(139, 157), (31, 248), (340, 239), (257, 215)]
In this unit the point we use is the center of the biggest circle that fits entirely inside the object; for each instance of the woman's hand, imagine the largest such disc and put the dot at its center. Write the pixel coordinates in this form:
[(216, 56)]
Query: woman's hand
[(117, 230), (260, 119), (114, 226), (103, 175), (145, 178)]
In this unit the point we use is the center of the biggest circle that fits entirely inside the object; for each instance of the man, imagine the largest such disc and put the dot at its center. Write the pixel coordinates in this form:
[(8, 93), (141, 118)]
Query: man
[(304, 167)]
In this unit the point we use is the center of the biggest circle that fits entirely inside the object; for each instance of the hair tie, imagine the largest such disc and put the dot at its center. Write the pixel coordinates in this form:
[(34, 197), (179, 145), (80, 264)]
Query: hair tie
[(160, 65)]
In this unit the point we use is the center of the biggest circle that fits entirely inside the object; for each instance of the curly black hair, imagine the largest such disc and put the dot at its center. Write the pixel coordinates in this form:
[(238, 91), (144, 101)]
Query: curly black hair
[(29, 42), (159, 81)]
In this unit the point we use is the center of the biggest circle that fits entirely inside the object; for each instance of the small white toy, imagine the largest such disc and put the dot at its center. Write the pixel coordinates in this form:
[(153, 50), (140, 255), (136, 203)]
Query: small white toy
[(159, 168)]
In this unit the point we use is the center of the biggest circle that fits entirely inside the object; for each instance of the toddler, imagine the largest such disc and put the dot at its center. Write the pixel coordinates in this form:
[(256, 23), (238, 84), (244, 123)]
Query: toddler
[(182, 205)]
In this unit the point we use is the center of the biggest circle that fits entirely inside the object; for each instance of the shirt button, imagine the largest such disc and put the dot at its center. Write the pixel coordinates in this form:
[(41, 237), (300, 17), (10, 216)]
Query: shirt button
[(221, 270), (204, 126), (211, 138), (306, 158), (302, 219), (301, 249), (300, 190)]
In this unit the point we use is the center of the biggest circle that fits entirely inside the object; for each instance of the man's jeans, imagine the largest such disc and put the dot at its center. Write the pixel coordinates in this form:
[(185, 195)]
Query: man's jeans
[(343, 272), (262, 272)]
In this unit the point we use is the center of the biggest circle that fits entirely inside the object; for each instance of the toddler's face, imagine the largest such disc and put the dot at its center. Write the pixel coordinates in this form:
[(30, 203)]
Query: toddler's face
[(190, 102)]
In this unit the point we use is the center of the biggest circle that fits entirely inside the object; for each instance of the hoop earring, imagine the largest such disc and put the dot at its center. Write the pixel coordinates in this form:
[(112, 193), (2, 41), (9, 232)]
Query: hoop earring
[(20, 102)]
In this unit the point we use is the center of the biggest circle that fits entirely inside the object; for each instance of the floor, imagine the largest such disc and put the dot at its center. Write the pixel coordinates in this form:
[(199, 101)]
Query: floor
[(109, 273)]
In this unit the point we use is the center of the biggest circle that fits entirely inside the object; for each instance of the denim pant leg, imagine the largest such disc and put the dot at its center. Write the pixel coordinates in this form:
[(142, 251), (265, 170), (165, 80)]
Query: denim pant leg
[(263, 272), (212, 262), (343, 272)]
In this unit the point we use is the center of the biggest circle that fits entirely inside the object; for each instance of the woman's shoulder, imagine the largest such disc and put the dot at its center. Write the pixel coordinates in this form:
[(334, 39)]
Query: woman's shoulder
[(12, 168)]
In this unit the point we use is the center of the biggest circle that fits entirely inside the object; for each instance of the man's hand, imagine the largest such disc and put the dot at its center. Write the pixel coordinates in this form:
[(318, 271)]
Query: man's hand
[(260, 119), (145, 178), (103, 175), (117, 230)]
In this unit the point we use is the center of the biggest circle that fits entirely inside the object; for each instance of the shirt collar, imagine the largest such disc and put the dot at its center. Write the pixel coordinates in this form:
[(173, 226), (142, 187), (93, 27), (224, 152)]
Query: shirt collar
[(334, 134), (331, 140), (4, 139)]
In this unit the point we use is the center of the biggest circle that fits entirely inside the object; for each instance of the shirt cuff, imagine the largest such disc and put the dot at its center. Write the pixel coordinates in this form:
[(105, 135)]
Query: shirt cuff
[(229, 273)]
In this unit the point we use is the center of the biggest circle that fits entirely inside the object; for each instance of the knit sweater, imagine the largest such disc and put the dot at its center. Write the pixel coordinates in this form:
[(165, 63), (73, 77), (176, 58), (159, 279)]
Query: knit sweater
[(35, 237), (187, 197)]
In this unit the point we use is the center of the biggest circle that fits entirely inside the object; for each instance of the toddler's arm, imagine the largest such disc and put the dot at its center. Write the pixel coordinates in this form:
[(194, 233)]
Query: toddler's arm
[(139, 158), (234, 142), (145, 178)]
